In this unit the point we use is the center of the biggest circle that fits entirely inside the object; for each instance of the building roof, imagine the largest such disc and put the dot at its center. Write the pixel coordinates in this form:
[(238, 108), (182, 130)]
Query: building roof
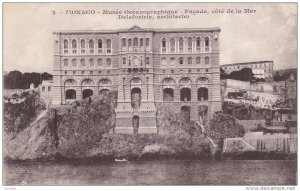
[(246, 63), (139, 29)]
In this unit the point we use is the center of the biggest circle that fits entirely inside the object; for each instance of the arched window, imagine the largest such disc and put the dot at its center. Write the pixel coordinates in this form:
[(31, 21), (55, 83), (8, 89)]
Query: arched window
[(82, 45), (206, 60), (181, 61), (198, 60), (74, 62), (66, 43), (190, 44), (99, 62), (108, 62), (141, 42), (65, 62), (91, 46), (164, 62), (74, 46), (129, 42), (190, 60), (163, 45), (108, 46), (168, 94), (172, 61), (172, 42), (82, 63), (91, 61), (206, 44), (185, 94), (70, 94), (198, 44), (135, 42), (124, 42), (202, 94), (100, 46), (202, 80), (180, 44)]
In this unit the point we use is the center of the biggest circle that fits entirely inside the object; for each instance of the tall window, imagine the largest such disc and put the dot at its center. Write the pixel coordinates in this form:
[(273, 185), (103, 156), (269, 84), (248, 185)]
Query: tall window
[(163, 45), (74, 62), (198, 60), (91, 63), (108, 62), (99, 61), (129, 42), (99, 46), (82, 45), (147, 60), (190, 60), (180, 44), (206, 44), (164, 62), (172, 61), (141, 42), (65, 63), (108, 46), (129, 61), (66, 44), (172, 42), (198, 44), (74, 46), (124, 60), (147, 42), (141, 61), (82, 63), (181, 61), (206, 60), (124, 42), (135, 42), (190, 44), (91, 46)]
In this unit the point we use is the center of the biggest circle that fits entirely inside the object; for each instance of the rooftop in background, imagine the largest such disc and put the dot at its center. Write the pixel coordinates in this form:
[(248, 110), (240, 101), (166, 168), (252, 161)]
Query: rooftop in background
[(139, 29), (246, 63)]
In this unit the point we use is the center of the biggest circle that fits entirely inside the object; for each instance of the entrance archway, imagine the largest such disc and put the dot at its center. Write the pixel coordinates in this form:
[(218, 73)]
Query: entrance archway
[(87, 93), (136, 98), (135, 123), (185, 112)]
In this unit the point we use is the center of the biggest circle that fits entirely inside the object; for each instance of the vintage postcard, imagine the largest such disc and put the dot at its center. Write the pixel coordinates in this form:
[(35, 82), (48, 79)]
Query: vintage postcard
[(99, 94)]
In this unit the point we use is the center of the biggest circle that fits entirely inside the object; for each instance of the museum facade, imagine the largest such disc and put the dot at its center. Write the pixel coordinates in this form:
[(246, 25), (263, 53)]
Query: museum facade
[(149, 68)]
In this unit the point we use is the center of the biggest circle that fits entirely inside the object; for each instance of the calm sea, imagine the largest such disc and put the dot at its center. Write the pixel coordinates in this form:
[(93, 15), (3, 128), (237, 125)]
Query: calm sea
[(173, 172)]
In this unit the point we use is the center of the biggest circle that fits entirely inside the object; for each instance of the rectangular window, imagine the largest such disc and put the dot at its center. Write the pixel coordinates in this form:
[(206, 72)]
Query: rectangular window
[(147, 42), (49, 88), (43, 89), (124, 61)]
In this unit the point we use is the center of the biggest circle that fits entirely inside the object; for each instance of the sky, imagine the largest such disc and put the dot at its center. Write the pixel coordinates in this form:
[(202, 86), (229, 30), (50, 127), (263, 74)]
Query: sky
[(268, 34)]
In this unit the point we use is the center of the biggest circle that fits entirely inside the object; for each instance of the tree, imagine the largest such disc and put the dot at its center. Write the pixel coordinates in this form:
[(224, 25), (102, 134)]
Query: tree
[(223, 74), (244, 74)]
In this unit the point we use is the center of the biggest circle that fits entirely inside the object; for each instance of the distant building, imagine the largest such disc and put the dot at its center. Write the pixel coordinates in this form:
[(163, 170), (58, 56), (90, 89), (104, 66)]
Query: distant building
[(45, 90), (260, 69)]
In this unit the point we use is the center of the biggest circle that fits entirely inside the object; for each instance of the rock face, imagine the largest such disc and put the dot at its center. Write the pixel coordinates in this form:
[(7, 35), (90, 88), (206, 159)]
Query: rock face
[(33, 143), (81, 130)]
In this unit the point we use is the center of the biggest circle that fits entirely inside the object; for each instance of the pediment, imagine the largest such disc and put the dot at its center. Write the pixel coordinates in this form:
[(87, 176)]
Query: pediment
[(135, 28)]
